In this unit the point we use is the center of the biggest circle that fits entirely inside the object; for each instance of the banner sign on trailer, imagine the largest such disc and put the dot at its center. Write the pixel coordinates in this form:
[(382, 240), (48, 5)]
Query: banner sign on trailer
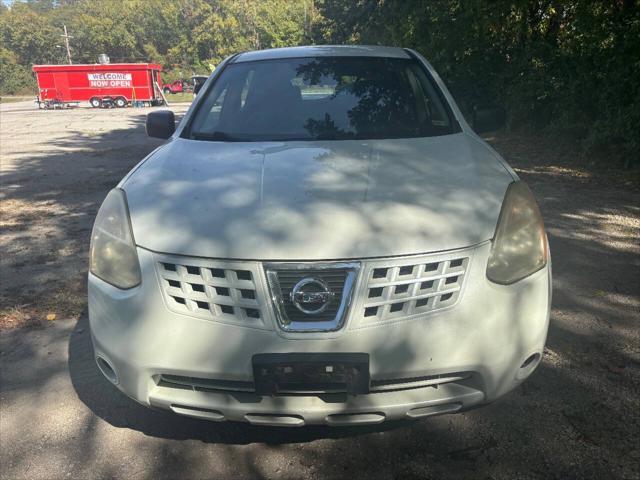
[(109, 79)]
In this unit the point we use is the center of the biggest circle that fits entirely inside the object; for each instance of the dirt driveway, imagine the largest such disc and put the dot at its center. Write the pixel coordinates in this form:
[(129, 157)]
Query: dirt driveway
[(577, 417)]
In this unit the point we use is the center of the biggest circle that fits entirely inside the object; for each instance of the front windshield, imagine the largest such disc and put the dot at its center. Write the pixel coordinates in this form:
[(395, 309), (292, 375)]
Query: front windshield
[(322, 98)]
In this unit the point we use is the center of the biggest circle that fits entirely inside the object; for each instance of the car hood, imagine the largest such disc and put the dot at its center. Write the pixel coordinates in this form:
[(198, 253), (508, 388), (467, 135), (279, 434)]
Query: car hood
[(316, 200)]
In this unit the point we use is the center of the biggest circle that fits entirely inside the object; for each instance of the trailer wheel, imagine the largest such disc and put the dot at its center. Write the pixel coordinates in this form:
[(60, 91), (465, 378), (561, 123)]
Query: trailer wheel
[(95, 102), (121, 102)]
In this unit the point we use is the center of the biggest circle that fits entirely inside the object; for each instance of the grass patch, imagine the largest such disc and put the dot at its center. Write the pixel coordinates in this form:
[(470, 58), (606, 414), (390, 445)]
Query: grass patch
[(5, 99), (179, 97)]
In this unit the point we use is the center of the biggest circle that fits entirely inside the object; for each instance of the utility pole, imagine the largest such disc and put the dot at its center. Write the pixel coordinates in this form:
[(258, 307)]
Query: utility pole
[(66, 42)]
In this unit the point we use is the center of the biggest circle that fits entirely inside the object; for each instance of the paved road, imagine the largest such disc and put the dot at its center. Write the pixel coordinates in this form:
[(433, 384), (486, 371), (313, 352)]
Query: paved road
[(577, 417)]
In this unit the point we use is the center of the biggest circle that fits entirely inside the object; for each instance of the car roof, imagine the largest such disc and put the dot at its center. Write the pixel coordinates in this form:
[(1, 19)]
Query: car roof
[(322, 51)]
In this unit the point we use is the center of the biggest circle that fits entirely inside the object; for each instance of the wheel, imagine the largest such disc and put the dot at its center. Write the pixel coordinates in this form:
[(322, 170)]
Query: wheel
[(95, 102), (121, 102), (166, 91)]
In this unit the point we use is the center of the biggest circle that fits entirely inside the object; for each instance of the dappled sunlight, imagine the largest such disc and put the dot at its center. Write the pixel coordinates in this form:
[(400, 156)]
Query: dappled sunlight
[(582, 395), (55, 172), (556, 171), (295, 214)]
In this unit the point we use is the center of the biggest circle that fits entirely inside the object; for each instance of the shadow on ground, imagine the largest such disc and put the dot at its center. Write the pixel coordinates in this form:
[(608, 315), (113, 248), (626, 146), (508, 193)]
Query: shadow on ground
[(57, 167), (576, 417)]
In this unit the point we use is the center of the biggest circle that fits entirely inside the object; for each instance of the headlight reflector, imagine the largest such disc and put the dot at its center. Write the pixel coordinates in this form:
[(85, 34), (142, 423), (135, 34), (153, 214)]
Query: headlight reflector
[(113, 256), (519, 247)]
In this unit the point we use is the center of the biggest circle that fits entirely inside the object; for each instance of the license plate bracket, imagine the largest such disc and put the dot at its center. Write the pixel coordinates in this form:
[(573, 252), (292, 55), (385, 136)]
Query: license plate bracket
[(311, 373)]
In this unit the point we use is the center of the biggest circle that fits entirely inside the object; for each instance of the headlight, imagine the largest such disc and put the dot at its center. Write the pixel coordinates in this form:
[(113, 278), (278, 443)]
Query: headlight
[(520, 244), (113, 256)]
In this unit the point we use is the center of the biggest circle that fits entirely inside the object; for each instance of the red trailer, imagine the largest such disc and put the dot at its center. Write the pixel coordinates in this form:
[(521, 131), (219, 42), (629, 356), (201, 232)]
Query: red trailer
[(111, 84)]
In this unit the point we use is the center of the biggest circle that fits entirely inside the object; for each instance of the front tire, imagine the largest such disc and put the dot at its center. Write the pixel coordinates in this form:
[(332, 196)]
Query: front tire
[(167, 91), (95, 102), (121, 102)]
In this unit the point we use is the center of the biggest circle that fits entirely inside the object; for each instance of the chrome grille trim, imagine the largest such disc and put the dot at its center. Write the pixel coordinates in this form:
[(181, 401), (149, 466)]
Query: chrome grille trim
[(220, 290), (287, 319), (335, 280)]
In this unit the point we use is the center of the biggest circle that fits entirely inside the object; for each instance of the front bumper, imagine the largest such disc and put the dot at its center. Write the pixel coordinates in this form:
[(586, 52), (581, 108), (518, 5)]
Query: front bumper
[(442, 362)]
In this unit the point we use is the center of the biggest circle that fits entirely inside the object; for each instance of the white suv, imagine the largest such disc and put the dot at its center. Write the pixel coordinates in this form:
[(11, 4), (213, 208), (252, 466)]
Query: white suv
[(322, 240)]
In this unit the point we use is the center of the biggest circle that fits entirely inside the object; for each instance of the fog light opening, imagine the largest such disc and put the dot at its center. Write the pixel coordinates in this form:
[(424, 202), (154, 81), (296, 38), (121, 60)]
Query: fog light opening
[(528, 366), (533, 358), (107, 370)]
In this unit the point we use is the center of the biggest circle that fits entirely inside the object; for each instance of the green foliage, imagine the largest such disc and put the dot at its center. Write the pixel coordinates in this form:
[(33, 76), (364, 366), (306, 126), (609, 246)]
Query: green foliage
[(14, 78), (570, 66), (29, 36), (564, 66), (187, 34)]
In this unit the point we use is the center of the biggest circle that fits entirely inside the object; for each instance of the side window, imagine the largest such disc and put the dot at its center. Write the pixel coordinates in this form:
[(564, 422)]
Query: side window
[(435, 110), (246, 88), (210, 121), (224, 102), (322, 88), (214, 114)]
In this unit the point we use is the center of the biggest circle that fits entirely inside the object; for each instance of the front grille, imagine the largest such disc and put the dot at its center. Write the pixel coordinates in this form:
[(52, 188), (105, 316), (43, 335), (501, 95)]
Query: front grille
[(204, 384), (216, 290), (411, 287), (396, 384), (369, 293)]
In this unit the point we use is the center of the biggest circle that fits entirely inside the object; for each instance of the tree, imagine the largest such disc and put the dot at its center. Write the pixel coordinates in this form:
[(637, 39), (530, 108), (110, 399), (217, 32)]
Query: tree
[(14, 78)]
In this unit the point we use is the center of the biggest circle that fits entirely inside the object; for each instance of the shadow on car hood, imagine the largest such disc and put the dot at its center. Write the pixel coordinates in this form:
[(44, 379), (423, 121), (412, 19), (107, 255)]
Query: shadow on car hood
[(316, 200)]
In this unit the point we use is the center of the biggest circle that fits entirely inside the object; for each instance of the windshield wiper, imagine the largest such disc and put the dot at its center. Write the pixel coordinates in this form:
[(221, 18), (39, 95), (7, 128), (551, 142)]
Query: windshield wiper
[(215, 136)]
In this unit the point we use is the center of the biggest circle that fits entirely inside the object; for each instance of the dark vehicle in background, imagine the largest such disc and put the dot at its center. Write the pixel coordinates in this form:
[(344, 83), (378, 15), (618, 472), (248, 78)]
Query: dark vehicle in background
[(198, 82)]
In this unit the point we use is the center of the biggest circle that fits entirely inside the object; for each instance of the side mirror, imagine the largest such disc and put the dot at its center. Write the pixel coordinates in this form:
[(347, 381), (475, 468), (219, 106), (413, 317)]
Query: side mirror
[(487, 118), (161, 124)]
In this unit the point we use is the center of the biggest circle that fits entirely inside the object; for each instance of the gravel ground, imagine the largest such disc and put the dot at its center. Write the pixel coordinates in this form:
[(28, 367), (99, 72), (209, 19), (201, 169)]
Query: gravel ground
[(577, 417)]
